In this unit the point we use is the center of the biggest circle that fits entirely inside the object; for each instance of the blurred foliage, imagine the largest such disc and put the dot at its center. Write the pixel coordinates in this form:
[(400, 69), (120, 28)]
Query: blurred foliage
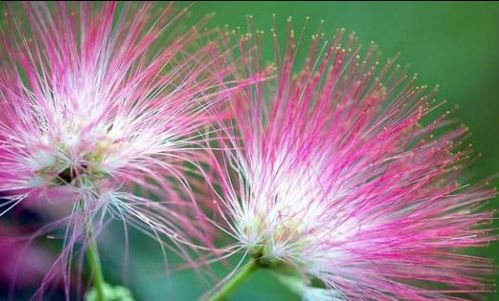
[(455, 45)]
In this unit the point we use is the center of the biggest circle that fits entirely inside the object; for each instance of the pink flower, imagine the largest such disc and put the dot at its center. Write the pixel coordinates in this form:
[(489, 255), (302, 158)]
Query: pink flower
[(335, 172), (97, 100)]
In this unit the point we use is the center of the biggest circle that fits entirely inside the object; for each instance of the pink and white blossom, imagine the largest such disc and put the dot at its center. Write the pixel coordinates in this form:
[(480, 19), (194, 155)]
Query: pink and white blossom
[(342, 172), (98, 99)]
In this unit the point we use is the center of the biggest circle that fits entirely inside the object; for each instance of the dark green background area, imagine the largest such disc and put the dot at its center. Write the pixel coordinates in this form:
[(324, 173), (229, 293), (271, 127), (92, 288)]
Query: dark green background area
[(455, 45)]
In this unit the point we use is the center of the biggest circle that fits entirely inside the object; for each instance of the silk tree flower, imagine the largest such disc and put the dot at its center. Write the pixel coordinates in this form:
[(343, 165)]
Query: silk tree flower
[(98, 99), (344, 175)]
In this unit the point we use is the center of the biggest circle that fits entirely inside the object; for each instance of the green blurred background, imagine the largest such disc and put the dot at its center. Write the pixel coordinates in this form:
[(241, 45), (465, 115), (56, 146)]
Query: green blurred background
[(455, 45)]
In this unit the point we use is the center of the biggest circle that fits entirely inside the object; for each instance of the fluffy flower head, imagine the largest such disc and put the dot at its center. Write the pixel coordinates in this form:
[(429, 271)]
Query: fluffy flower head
[(335, 171), (98, 99), (95, 97)]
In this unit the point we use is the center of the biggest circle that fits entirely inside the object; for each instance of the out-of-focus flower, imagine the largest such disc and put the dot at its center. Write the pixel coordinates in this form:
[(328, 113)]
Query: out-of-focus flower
[(19, 263), (99, 98), (335, 172)]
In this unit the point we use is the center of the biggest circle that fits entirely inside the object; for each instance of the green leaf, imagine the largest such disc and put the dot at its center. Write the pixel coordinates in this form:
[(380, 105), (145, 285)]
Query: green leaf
[(112, 293)]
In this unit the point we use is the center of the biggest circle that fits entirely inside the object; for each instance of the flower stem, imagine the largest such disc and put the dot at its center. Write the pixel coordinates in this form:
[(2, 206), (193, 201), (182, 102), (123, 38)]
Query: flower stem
[(226, 291), (95, 265), (93, 259)]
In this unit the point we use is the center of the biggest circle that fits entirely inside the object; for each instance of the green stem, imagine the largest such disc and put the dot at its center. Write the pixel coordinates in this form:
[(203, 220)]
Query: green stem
[(93, 259), (94, 263), (226, 291)]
